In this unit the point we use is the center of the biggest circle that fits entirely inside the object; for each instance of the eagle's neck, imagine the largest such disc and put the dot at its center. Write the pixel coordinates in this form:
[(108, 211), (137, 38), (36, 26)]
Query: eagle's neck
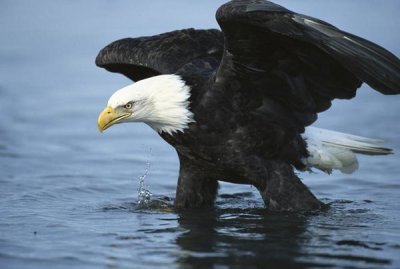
[(168, 108)]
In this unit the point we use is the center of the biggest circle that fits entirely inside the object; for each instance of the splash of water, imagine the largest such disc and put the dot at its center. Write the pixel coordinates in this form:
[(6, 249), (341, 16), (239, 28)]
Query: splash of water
[(144, 195)]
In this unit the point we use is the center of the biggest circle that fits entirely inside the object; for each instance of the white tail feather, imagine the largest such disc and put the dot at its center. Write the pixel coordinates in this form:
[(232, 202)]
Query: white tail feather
[(330, 150)]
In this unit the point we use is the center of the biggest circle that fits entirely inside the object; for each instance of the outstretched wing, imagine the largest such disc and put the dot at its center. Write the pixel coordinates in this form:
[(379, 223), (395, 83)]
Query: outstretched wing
[(143, 57), (298, 62)]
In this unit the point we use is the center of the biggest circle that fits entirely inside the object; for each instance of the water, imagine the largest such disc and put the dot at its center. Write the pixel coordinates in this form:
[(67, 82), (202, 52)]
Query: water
[(144, 195), (69, 196)]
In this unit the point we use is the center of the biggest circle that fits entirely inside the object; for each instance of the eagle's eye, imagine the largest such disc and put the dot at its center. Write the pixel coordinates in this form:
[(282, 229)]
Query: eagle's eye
[(128, 105)]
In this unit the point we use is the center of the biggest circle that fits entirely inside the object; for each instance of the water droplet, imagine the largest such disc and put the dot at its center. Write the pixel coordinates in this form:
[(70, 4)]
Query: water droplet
[(144, 195)]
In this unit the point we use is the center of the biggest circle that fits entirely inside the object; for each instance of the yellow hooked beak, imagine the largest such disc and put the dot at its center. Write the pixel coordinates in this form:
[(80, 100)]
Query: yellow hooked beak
[(109, 117)]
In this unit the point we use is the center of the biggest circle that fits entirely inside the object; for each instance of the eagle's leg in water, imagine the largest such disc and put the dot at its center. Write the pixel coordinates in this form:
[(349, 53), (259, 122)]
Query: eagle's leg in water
[(282, 190), (195, 187)]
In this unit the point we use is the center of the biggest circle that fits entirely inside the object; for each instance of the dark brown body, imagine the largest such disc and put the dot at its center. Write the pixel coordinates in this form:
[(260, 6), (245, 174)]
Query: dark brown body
[(254, 88)]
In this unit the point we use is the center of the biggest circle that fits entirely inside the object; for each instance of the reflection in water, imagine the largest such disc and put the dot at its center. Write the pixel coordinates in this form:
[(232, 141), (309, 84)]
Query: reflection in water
[(246, 239), (236, 235), (240, 238)]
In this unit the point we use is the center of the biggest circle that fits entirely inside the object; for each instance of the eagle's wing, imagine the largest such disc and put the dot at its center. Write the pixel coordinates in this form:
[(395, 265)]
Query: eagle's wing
[(143, 57), (299, 62)]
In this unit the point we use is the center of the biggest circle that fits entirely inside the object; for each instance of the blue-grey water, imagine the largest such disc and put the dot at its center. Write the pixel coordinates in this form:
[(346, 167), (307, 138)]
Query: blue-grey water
[(68, 195)]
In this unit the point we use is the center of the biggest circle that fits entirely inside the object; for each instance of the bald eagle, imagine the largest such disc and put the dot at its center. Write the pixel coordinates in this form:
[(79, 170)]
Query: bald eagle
[(236, 104)]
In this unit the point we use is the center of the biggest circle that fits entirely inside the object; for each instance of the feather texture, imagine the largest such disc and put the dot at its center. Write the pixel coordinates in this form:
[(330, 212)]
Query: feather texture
[(331, 150)]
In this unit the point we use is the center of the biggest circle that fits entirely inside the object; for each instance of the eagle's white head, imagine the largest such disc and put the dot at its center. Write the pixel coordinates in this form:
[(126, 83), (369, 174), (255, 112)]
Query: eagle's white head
[(161, 101)]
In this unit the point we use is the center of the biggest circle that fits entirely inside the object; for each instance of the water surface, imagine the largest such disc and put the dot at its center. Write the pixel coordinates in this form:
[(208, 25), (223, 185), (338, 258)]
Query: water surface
[(68, 195)]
